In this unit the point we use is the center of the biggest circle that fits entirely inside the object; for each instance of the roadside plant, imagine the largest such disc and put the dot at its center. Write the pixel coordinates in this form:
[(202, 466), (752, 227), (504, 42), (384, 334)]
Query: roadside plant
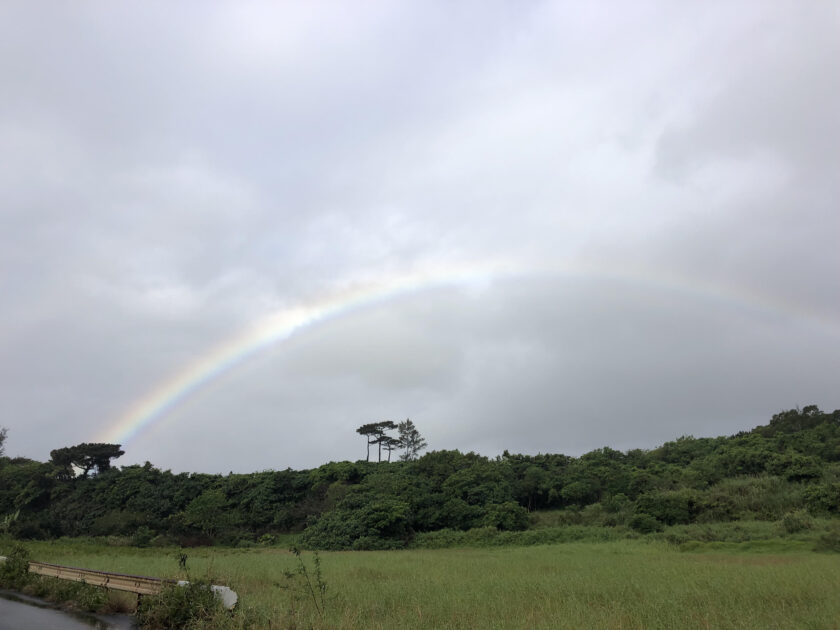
[(14, 572), (193, 605), (182, 606), (306, 584)]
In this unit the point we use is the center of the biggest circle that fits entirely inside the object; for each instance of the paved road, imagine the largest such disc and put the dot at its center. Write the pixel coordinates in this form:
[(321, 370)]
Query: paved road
[(18, 615)]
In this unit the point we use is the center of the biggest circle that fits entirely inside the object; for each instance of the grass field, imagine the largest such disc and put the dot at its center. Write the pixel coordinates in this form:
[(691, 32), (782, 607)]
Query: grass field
[(623, 584)]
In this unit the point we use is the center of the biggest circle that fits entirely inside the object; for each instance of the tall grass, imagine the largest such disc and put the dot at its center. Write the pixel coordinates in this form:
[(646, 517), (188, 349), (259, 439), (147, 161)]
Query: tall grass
[(624, 584)]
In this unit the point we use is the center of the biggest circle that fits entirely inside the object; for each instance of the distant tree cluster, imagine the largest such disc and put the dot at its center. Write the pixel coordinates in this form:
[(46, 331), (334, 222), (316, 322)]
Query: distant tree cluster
[(787, 472), (408, 439), (3, 433)]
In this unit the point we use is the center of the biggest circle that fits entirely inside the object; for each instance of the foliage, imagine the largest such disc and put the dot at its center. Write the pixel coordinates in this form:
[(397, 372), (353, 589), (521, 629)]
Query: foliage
[(824, 498), (830, 540), (306, 585), (670, 507), (376, 433), (645, 523), (86, 457), (7, 520), (4, 432), (507, 516), (380, 524), (771, 473), (796, 521), (14, 572), (179, 607), (410, 440)]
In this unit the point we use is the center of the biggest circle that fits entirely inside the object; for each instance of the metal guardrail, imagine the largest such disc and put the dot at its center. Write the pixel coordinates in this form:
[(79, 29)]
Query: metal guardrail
[(117, 581), (139, 584)]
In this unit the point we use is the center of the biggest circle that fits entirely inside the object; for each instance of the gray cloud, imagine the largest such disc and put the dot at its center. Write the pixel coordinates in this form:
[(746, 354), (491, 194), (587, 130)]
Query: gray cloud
[(171, 175)]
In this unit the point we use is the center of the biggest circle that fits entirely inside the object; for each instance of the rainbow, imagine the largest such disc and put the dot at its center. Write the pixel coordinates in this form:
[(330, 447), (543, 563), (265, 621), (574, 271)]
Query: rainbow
[(279, 326), (273, 329)]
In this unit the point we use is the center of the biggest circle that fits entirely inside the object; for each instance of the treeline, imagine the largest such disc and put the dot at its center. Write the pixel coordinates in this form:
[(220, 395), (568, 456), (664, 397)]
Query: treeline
[(791, 464)]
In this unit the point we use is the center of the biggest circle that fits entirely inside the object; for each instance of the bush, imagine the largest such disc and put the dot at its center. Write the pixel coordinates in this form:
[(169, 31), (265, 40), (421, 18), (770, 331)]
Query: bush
[(671, 508), (267, 540), (507, 516), (382, 519), (823, 498), (795, 522), (142, 537), (764, 497), (830, 541), (178, 607), (645, 523), (14, 572), (88, 598)]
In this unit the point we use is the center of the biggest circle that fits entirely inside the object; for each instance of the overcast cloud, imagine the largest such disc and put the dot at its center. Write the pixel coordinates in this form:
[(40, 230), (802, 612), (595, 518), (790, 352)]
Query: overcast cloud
[(663, 177)]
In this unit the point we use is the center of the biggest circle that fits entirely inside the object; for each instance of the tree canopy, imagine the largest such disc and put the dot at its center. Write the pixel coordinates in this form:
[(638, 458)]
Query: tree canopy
[(377, 433), (410, 440), (85, 457)]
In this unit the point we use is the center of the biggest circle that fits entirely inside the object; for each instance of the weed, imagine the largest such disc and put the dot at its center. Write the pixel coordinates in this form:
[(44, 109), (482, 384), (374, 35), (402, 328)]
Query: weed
[(187, 605), (310, 582), (14, 572), (190, 606)]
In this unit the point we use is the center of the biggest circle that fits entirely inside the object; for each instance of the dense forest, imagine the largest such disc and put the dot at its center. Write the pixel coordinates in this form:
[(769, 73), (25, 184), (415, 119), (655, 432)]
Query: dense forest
[(791, 465)]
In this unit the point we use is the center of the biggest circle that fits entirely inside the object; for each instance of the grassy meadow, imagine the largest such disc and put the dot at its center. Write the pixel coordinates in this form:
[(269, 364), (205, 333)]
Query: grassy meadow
[(644, 583)]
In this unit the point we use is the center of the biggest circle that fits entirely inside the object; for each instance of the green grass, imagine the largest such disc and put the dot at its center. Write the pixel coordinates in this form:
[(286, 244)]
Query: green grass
[(623, 584)]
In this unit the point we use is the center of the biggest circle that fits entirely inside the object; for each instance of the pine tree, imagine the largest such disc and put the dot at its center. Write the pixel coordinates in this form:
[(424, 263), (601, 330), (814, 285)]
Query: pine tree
[(410, 440)]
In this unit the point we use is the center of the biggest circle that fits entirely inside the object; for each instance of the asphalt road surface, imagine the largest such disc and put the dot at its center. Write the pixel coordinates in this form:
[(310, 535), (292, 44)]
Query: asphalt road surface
[(21, 613)]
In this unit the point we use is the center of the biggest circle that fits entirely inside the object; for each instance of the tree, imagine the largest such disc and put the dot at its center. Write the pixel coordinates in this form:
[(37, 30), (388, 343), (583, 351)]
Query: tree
[(376, 434), (384, 438), (3, 432), (410, 440), (208, 512), (85, 456), (370, 431), (389, 444)]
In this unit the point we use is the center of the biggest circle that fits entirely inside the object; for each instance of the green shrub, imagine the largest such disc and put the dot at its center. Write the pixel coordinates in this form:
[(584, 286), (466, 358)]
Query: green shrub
[(645, 523), (671, 508), (88, 598), (267, 540), (796, 521), (142, 536), (616, 503), (823, 498), (385, 519), (830, 541), (179, 607), (507, 516), (764, 497), (14, 572)]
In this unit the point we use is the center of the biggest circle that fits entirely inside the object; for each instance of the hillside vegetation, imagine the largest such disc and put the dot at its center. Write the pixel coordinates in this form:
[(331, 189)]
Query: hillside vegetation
[(787, 472)]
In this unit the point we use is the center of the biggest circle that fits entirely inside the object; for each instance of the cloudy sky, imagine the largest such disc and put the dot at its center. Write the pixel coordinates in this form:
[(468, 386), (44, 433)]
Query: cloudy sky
[(534, 226)]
